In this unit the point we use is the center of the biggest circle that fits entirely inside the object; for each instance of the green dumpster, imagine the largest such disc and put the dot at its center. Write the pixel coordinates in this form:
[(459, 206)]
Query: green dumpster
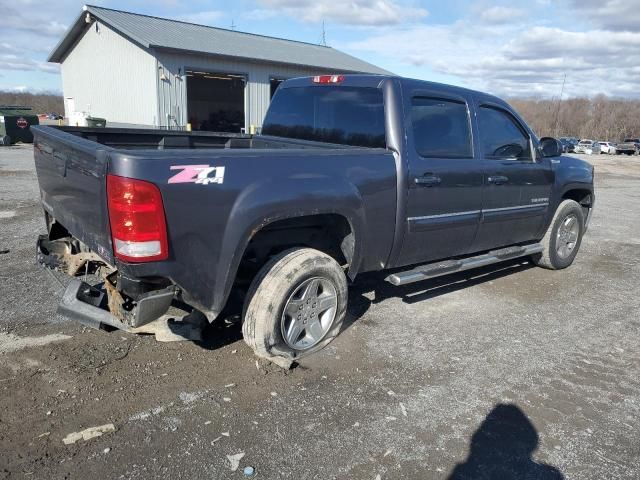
[(96, 122), (15, 123)]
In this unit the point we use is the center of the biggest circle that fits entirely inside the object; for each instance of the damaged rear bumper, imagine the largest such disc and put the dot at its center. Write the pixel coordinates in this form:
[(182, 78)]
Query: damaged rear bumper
[(140, 303), (82, 302), (89, 305)]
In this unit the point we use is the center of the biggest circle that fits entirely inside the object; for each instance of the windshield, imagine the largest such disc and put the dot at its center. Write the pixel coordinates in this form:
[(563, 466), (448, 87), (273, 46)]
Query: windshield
[(631, 140), (333, 114)]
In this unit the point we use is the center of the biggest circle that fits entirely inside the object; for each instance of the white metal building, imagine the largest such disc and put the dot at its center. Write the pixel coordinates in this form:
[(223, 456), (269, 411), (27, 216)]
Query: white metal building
[(139, 70)]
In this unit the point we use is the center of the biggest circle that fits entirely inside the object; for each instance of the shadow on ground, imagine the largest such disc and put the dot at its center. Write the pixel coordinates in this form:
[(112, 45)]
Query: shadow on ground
[(227, 328), (502, 448)]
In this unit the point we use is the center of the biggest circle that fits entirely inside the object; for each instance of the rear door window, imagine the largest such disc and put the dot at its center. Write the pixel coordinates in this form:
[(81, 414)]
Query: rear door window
[(441, 128), (333, 114), (501, 136)]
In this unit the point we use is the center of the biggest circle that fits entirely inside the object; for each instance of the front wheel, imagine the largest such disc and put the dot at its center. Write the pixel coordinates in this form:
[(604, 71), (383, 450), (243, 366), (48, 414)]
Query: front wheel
[(295, 305), (563, 238)]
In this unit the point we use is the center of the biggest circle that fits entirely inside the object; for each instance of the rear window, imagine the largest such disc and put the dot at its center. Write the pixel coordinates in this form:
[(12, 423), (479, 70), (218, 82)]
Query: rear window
[(441, 128), (333, 114)]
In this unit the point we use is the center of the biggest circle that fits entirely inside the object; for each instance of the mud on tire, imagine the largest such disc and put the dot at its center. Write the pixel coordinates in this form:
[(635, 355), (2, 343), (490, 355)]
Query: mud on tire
[(274, 288), (563, 238)]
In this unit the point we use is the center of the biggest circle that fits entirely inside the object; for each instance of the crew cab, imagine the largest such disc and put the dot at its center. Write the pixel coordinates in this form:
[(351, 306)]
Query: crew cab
[(351, 174), (630, 146)]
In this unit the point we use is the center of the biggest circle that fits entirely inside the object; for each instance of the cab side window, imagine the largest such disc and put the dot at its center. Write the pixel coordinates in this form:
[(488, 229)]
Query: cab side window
[(441, 128), (501, 137)]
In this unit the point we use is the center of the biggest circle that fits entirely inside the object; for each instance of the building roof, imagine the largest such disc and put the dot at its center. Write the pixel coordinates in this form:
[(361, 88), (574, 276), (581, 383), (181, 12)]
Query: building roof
[(161, 33)]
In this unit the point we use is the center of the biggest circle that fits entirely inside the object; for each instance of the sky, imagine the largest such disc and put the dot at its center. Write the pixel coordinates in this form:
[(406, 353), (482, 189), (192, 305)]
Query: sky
[(517, 48)]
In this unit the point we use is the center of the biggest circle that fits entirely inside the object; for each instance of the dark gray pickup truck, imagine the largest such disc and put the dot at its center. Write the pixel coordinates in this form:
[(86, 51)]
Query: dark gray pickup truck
[(350, 174)]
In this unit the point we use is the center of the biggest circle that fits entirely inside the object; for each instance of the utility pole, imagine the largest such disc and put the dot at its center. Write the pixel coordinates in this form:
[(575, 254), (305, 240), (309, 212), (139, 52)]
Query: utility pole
[(233, 24), (559, 102)]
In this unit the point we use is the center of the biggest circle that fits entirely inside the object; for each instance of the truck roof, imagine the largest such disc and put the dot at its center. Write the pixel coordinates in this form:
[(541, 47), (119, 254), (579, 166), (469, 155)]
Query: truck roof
[(372, 80)]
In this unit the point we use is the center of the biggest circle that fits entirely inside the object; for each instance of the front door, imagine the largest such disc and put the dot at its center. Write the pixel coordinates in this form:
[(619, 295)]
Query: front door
[(517, 184), (444, 197)]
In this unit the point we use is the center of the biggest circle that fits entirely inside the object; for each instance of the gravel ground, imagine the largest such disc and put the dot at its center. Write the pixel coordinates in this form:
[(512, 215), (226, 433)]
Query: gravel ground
[(505, 372)]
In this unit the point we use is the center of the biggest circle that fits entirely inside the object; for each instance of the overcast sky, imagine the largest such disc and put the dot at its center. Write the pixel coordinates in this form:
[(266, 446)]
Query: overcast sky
[(509, 48)]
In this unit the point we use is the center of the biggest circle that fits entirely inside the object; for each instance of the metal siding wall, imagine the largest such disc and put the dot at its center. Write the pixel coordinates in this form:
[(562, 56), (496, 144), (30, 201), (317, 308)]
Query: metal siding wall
[(172, 93), (110, 77)]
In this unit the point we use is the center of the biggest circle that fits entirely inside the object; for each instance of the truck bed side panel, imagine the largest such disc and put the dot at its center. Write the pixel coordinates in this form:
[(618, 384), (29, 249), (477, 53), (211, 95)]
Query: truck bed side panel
[(71, 174), (209, 225)]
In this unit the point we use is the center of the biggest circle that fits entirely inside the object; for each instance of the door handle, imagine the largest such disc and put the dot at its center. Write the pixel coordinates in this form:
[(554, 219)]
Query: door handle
[(498, 179), (428, 180)]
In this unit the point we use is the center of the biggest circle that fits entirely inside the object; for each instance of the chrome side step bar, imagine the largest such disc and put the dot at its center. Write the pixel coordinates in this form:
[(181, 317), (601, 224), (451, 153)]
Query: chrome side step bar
[(437, 269)]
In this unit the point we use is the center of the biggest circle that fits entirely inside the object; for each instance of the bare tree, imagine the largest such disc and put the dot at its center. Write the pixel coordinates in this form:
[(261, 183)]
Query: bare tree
[(598, 118), (39, 102)]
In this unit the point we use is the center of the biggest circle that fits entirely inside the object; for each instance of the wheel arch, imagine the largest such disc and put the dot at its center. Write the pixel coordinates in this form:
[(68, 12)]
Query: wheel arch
[(582, 196), (335, 203)]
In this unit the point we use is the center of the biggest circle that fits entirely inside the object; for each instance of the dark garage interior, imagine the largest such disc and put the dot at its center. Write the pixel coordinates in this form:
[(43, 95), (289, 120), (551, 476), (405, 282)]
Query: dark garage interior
[(215, 101), (274, 83)]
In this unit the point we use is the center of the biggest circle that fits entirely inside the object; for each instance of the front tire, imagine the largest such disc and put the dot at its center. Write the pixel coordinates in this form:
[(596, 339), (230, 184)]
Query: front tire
[(563, 238), (295, 305)]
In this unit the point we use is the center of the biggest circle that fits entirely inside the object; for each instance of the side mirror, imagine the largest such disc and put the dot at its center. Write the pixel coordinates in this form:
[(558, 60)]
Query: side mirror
[(550, 147)]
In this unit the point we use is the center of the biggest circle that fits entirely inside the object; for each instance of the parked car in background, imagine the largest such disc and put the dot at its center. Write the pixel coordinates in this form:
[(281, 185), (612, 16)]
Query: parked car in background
[(630, 146), (568, 144), (607, 147), (587, 146)]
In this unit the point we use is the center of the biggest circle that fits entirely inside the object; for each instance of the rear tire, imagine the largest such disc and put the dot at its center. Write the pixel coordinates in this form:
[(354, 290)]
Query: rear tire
[(306, 283), (563, 238)]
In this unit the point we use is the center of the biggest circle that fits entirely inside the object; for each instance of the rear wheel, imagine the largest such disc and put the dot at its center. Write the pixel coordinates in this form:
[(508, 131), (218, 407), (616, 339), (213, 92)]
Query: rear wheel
[(563, 238), (295, 305)]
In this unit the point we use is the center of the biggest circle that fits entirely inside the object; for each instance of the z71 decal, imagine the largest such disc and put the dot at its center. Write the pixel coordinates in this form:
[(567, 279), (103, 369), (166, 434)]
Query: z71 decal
[(202, 174)]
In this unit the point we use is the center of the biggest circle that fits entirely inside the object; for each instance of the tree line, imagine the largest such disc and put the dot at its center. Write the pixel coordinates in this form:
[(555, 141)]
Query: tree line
[(598, 118), (39, 102)]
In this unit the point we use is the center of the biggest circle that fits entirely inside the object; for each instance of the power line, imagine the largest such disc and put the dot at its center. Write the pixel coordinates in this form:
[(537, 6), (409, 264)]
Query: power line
[(559, 102)]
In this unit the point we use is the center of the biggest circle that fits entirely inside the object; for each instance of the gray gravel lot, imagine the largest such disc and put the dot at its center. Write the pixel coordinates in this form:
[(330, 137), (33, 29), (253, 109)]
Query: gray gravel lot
[(506, 372)]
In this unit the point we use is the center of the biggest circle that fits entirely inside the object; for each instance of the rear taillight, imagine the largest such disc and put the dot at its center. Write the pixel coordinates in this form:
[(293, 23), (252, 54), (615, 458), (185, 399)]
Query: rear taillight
[(136, 214), (328, 78)]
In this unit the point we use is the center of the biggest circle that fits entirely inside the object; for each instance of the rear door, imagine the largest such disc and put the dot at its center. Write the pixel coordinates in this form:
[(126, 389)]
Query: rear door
[(517, 184), (445, 180)]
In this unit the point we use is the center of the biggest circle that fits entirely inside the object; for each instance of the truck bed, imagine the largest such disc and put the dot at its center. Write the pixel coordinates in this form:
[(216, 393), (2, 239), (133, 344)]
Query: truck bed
[(209, 223), (133, 138), (159, 139)]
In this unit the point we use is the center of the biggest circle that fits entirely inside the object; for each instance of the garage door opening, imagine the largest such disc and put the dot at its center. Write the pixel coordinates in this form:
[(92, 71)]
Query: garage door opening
[(274, 83), (215, 101)]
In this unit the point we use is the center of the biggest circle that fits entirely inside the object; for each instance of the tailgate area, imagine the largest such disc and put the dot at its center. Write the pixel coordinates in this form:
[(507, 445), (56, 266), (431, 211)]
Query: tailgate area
[(71, 173)]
